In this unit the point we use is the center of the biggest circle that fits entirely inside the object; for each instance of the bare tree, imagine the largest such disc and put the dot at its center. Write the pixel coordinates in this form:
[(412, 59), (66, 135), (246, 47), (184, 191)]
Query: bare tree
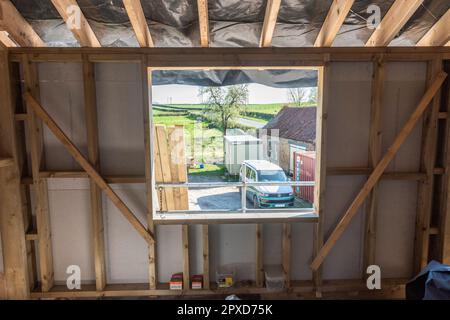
[(303, 96), (297, 96)]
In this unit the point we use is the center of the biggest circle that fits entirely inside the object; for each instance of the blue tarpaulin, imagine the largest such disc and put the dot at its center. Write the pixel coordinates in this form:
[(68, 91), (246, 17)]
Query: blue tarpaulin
[(432, 283)]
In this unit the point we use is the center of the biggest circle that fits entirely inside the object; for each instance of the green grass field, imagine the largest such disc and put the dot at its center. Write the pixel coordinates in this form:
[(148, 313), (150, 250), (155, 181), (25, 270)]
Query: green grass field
[(270, 108), (208, 170)]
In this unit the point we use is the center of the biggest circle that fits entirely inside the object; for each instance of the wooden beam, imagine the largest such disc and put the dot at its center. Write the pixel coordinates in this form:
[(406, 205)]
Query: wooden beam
[(321, 164), (77, 22), (427, 164), (203, 22), (17, 27), (335, 18), (139, 22), (233, 58), (362, 171), (83, 175), (36, 142), (90, 107), (12, 228), (85, 164), (6, 39), (349, 288), (378, 171), (394, 20), (270, 20), (149, 169), (439, 34), (206, 272), (375, 149)]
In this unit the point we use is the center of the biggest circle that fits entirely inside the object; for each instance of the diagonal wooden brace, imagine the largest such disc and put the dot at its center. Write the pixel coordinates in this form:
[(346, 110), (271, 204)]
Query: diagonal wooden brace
[(379, 169), (85, 164)]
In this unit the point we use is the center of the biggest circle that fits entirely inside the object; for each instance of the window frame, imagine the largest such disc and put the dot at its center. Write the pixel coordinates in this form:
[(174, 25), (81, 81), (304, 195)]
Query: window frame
[(309, 215)]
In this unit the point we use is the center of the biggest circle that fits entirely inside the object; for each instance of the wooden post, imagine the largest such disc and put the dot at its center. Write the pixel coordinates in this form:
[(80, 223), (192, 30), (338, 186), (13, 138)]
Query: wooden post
[(186, 269), (259, 255), (321, 166), (90, 103), (286, 251), (427, 163), (444, 219), (28, 220), (379, 169), (16, 276), (35, 136), (375, 148), (206, 275), (149, 170)]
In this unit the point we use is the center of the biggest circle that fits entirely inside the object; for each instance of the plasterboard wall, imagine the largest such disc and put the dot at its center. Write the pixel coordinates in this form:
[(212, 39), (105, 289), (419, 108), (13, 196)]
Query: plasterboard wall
[(122, 152)]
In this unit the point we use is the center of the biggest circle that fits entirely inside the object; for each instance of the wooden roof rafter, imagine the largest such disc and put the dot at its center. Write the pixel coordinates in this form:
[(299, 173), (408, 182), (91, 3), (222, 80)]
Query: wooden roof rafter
[(394, 20), (77, 22), (17, 29), (139, 22), (335, 18), (203, 21), (270, 20), (439, 34), (6, 40)]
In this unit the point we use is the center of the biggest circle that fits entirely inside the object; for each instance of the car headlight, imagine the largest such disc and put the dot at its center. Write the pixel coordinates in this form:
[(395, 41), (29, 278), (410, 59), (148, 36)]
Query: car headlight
[(291, 193), (264, 194)]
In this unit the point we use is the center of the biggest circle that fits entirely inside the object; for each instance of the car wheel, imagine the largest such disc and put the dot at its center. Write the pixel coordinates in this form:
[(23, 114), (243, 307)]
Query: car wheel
[(255, 202)]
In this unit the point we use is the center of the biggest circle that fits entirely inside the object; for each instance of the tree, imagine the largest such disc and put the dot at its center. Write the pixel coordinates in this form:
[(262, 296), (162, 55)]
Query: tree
[(297, 96), (303, 96), (225, 104)]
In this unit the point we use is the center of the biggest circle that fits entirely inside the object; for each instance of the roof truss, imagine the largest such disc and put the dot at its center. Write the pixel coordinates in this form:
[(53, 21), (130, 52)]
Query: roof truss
[(139, 22), (76, 22), (17, 27), (397, 16), (335, 18), (439, 34), (270, 20), (203, 22)]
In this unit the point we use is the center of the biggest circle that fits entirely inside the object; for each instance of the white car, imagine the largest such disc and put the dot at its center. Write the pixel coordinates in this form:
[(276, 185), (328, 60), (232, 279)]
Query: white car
[(266, 196)]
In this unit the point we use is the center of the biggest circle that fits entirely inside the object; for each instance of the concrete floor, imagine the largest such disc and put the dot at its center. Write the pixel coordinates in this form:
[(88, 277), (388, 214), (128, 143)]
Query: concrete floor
[(220, 198)]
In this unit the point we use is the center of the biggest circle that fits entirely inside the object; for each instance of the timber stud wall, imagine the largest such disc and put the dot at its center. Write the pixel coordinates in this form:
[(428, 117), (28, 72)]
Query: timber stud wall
[(18, 231)]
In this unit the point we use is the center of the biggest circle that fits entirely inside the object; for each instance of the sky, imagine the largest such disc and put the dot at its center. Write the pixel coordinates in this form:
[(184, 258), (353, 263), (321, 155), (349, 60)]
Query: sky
[(177, 94)]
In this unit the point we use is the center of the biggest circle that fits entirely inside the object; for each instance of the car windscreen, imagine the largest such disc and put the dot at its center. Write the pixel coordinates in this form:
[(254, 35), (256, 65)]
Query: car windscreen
[(271, 175)]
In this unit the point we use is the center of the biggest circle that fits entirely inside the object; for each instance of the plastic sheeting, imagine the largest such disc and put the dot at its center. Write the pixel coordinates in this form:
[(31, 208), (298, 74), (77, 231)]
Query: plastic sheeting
[(272, 78), (232, 23), (432, 283)]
